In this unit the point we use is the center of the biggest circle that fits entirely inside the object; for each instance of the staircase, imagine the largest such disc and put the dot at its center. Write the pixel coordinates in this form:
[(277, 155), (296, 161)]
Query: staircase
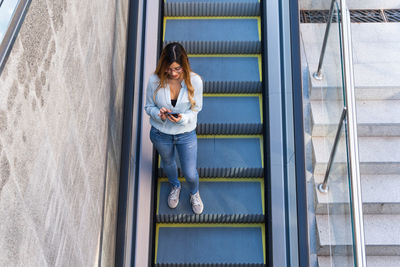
[(376, 68), (223, 40)]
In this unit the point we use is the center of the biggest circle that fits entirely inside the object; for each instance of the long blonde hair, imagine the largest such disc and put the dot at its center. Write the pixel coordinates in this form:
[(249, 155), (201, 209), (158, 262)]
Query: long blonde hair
[(174, 52)]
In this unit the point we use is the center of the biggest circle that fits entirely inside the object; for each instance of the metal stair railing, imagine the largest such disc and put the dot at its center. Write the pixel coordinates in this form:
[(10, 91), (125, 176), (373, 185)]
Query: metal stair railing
[(348, 114)]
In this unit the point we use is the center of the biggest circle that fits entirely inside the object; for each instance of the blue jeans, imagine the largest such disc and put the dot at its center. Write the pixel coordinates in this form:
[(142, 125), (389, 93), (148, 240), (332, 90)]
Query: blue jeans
[(186, 145)]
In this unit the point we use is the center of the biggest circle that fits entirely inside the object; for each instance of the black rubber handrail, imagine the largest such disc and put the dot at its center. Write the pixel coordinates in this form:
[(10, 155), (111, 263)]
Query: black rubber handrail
[(12, 31), (127, 136)]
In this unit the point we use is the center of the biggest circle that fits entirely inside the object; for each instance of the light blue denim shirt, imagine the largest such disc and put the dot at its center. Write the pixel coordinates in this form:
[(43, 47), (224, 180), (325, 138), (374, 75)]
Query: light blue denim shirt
[(188, 121)]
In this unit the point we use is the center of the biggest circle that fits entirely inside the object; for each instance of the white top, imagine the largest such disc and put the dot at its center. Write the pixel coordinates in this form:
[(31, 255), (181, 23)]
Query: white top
[(188, 121)]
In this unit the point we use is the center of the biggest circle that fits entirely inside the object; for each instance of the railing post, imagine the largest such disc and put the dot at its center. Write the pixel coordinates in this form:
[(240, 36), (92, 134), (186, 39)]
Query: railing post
[(323, 188), (318, 75)]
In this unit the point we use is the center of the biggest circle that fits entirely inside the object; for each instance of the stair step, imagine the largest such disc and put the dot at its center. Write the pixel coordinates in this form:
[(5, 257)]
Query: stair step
[(230, 114), (228, 156), (378, 155), (225, 201), (372, 43), (379, 194), (372, 261), (374, 118), (370, 84), (355, 4), (214, 35), (381, 234), (375, 59), (211, 8), (212, 244), (228, 73)]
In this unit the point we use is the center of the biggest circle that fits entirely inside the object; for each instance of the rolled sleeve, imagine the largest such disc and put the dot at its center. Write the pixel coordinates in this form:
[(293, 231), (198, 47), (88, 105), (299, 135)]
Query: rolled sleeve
[(151, 108)]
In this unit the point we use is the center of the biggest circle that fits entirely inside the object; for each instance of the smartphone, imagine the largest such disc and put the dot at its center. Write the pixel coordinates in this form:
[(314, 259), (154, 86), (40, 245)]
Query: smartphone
[(176, 115)]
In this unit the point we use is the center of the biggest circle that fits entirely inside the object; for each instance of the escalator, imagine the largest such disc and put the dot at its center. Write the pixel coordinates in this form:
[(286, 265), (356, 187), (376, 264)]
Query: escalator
[(223, 41), (250, 139)]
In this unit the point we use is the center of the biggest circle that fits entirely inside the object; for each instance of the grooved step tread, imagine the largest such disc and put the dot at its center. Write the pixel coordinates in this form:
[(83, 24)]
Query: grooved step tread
[(217, 244), (214, 1), (214, 34), (227, 68), (229, 152), (211, 8), (224, 201), (228, 74), (230, 115), (221, 29), (228, 156)]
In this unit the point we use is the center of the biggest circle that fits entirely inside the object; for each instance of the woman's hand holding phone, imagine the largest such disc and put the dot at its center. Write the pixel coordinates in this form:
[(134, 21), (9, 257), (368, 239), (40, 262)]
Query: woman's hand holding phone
[(163, 113), (174, 117), (167, 113)]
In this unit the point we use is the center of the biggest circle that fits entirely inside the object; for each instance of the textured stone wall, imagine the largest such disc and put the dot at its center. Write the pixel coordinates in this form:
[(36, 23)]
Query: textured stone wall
[(61, 96)]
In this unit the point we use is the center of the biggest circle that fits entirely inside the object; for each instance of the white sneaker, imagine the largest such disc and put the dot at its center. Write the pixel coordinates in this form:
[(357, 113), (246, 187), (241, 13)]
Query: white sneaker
[(197, 204), (173, 197)]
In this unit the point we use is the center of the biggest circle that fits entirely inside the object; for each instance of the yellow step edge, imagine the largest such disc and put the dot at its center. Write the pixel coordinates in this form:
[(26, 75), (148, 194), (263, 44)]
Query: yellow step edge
[(262, 152), (211, 225)]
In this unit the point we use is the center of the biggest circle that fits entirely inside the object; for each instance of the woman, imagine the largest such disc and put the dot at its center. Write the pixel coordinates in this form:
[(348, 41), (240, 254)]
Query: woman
[(174, 97)]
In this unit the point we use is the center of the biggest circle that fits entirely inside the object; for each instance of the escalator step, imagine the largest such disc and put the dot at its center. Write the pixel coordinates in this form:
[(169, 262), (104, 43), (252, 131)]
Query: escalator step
[(213, 244), (222, 114), (231, 156), (211, 8), (225, 201), (214, 35), (228, 73), (228, 156), (209, 265)]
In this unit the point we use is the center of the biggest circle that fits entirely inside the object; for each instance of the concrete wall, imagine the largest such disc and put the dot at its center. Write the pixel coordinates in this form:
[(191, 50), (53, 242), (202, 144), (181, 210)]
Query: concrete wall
[(61, 97)]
